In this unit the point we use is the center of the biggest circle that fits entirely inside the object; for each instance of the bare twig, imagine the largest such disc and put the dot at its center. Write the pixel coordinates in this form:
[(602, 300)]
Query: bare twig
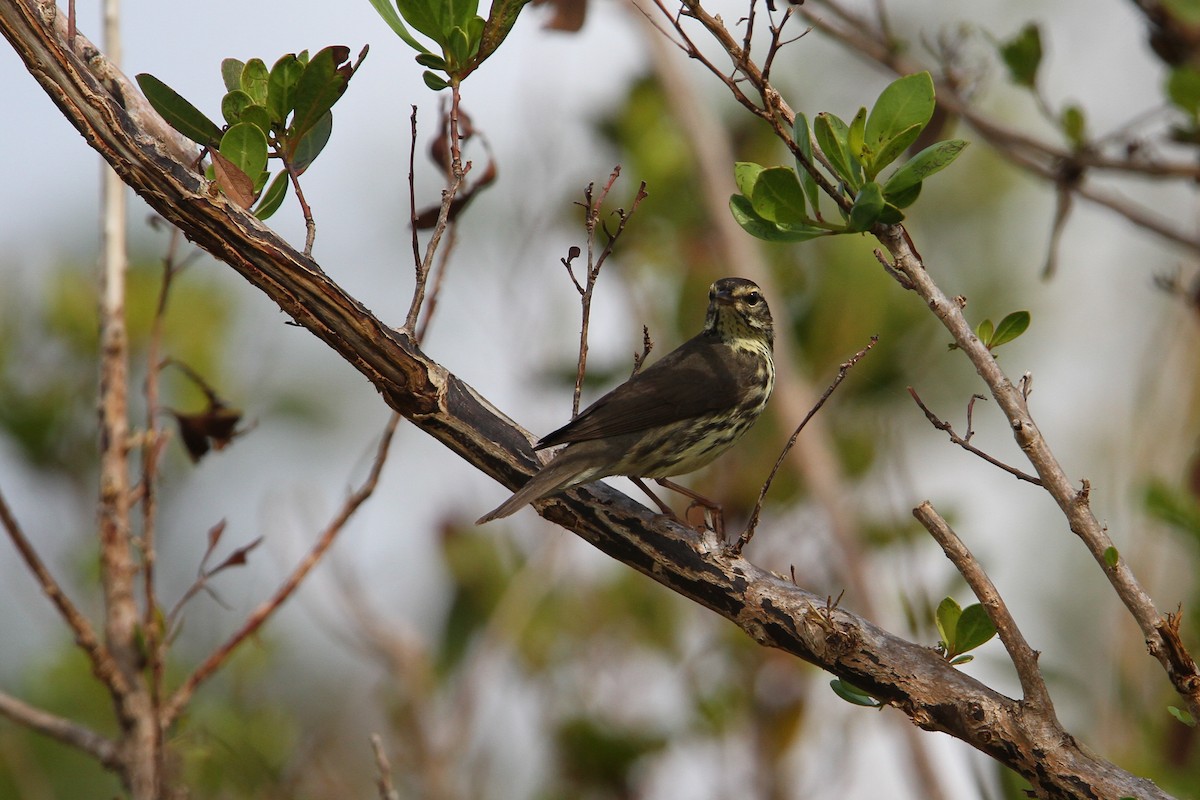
[(425, 264), (383, 770), (845, 368), (103, 666), (260, 615), (412, 188), (965, 444), (592, 205), (773, 109), (310, 224), (1024, 657), (154, 439), (639, 359), (61, 729)]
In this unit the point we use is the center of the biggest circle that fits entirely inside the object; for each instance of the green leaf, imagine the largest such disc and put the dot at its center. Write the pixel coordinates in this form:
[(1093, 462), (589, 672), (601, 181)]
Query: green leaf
[(855, 136), (1074, 126), (281, 87), (905, 198), (931, 160), (254, 80), (803, 140), (985, 331), (1183, 89), (892, 148), (1183, 715), (258, 116), (231, 73), (905, 102), (1111, 556), (322, 83), (1022, 55), (1012, 326), (946, 618), (777, 197), (388, 12), (756, 226), (832, 136), (973, 628), (233, 104), (436, 18), (433, 81), (500, 21), (745, 173), (868, 205), (432, 61), (312, 143), (852, 694), (246, 147), (891, 214), (272, 198), (958, 661), (179, 113), (457, 48)]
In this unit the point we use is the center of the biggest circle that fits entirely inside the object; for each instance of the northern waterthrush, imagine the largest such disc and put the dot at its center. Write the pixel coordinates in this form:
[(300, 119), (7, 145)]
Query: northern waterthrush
[(677, 414)]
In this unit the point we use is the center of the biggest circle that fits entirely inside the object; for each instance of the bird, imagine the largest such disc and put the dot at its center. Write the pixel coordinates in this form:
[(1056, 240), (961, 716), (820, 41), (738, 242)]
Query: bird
[(675, 415)]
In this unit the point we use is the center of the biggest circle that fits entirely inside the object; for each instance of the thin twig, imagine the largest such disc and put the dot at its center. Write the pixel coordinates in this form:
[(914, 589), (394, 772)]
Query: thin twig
[(845, 368), (154, 438), (310, 224), (424, 265), (62, 730), (593, 222), (639, 359), (383, 770), (942, 425), (412, 188), (267, 608), (103, 666), (1024, 657)]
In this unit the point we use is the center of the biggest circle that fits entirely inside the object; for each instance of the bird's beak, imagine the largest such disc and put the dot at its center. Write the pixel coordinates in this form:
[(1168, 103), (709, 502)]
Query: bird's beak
[(724, 298)]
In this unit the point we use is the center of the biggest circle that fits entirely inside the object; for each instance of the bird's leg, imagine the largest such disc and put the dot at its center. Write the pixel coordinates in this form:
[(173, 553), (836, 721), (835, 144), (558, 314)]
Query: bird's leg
[(663, 507), (697, 502), (715, 510)]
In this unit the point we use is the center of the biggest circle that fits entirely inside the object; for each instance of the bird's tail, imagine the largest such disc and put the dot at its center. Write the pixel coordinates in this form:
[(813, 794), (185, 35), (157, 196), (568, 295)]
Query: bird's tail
[(556, 475)]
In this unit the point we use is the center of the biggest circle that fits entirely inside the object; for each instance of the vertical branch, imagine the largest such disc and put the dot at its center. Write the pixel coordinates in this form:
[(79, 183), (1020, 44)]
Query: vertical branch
[(457, 173), (310, 224), (154, 439), (140, 732), (592, 204)]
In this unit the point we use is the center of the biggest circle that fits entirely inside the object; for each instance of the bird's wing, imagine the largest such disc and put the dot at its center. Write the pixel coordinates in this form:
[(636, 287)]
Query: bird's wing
[(686, 383)]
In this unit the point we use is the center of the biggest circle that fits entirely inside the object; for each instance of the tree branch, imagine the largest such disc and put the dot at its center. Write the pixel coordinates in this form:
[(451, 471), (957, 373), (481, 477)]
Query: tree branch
[(268, 607), (62, 730), (1024, 657)]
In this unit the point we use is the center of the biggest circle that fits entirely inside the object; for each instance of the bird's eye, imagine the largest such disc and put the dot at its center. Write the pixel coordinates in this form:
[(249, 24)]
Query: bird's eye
[(753, 299)]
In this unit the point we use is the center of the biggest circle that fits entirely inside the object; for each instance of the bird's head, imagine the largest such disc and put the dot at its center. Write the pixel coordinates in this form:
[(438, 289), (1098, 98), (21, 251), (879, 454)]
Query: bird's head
[(738, 312)]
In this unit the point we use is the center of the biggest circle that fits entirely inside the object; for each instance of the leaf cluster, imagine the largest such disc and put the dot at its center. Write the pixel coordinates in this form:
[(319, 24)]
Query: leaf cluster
[(464, 38), (284, 112), (993, 335), (962, 629), (782, 203)]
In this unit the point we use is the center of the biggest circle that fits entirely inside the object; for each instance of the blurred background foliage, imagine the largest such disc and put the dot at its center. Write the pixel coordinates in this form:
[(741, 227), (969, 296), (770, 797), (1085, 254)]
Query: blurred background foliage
[(539, 670)]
